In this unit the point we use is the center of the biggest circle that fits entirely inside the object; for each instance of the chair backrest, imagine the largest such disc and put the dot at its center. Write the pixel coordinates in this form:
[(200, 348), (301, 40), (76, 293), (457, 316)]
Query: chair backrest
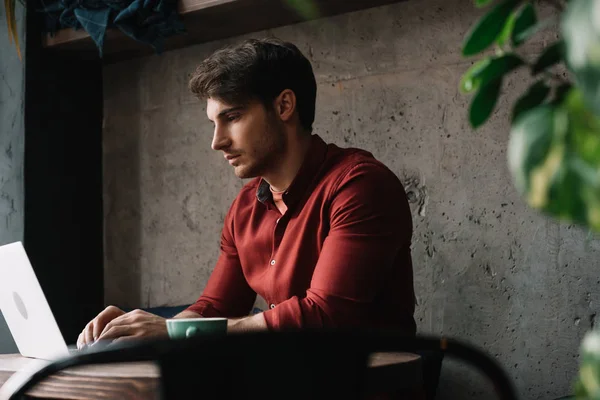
[(266, 367), (292, 365), (431, 370)]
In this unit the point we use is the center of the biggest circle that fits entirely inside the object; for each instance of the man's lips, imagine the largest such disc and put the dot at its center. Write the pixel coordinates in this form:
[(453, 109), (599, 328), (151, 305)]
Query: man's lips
[(231, 158)]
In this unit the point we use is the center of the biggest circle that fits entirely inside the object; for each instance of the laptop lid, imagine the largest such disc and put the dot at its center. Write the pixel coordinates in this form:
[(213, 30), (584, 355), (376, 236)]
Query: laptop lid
[(25, 307)]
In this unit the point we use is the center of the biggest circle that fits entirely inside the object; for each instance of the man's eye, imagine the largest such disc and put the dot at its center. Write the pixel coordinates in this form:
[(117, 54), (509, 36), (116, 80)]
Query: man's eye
[(232, 117)]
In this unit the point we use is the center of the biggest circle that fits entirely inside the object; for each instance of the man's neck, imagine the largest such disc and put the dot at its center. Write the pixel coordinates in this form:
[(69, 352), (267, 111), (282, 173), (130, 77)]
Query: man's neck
[(281, 178)]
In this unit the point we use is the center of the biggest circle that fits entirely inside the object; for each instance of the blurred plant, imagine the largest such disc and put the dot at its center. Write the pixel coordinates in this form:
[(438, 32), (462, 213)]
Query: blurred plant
[(307, 9), (588, 385), (554, 146), (11, 24)]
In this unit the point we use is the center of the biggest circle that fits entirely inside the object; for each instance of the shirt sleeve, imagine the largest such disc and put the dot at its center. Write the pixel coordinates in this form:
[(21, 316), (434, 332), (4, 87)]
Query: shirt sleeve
[(370, 221), (227, 293)]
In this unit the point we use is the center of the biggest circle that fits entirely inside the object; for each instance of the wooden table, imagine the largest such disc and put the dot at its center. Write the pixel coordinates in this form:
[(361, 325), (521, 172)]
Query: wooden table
[(141, 380)]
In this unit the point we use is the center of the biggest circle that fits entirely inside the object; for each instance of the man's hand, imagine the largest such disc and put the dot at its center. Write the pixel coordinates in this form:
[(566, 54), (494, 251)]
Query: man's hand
[(113, 323), (134, 325), (94, 328)]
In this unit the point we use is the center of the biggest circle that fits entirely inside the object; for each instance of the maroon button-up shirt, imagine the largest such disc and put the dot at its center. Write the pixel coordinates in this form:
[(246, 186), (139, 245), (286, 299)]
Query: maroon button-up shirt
[(338, 257)]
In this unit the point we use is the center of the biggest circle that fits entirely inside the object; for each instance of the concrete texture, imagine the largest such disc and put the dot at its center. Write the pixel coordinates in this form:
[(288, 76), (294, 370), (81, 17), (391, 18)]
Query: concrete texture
[(12, 149), (487, 269)]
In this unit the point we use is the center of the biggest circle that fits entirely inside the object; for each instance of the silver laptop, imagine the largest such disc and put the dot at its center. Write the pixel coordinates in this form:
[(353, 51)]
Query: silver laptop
[(25, 307)]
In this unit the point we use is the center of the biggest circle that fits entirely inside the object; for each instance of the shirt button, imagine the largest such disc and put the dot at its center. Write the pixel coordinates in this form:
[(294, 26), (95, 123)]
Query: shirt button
[(272, 262), (272, 306)]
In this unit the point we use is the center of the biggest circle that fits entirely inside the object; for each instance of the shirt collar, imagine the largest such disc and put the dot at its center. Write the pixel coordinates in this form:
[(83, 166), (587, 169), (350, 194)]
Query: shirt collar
[(312, 162)]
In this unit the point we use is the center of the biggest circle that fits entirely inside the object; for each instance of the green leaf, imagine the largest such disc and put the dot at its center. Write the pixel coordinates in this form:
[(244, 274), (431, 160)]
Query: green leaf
[(487, 70), (567, 193), (554, 154), (580, 30), (470, 80), (484, 102), (506, 33), (579, 33), (525, 19), (529, 32), (535, 96), (579, 390), (485, 32), (551, 55), (482, 3), (529, 148), (585, 128), (560, 93), (500, 66)]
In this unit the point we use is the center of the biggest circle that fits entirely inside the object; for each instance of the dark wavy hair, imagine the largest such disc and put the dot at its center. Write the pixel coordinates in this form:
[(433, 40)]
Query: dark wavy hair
[(258, 69)]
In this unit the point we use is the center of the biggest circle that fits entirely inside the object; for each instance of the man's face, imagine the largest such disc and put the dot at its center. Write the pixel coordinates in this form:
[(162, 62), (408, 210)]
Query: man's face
[(251, 139)]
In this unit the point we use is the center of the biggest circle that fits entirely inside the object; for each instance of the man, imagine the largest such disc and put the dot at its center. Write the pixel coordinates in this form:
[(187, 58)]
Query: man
[(323, 234)]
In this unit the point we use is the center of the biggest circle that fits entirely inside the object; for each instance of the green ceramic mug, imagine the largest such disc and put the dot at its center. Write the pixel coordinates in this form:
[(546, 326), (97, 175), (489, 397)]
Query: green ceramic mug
[(188, 327)]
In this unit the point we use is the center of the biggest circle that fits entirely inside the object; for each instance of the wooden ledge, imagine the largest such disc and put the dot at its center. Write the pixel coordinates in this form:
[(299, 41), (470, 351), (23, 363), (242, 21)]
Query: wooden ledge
[(205, 21)]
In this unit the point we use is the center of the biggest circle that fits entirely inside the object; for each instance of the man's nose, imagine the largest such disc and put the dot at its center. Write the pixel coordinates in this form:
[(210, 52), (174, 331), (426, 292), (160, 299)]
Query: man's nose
[(220, 139)]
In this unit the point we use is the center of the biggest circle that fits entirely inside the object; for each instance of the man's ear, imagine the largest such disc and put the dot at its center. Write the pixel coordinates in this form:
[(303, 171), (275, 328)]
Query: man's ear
[(285, 105)]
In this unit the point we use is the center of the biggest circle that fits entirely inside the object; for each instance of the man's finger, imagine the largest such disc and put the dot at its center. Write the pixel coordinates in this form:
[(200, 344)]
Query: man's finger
[(99, 324), (117, 332), (109, 314), (124, 319), (88, 335), (80, 341)]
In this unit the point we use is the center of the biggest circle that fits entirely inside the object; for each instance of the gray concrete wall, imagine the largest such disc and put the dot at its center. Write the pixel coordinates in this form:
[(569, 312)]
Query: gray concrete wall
[(11, 149), (487, 269)]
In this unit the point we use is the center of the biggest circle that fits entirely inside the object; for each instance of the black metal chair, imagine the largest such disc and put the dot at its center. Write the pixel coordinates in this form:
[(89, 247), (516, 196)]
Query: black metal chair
[(431, 370), (295, 365)]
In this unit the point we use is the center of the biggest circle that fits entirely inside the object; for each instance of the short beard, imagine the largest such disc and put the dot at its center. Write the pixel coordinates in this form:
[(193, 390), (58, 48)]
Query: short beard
[(272, 148)]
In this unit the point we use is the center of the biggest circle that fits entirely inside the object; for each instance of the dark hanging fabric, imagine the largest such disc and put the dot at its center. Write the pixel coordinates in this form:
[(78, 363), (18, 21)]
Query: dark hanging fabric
[(148, 21)]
